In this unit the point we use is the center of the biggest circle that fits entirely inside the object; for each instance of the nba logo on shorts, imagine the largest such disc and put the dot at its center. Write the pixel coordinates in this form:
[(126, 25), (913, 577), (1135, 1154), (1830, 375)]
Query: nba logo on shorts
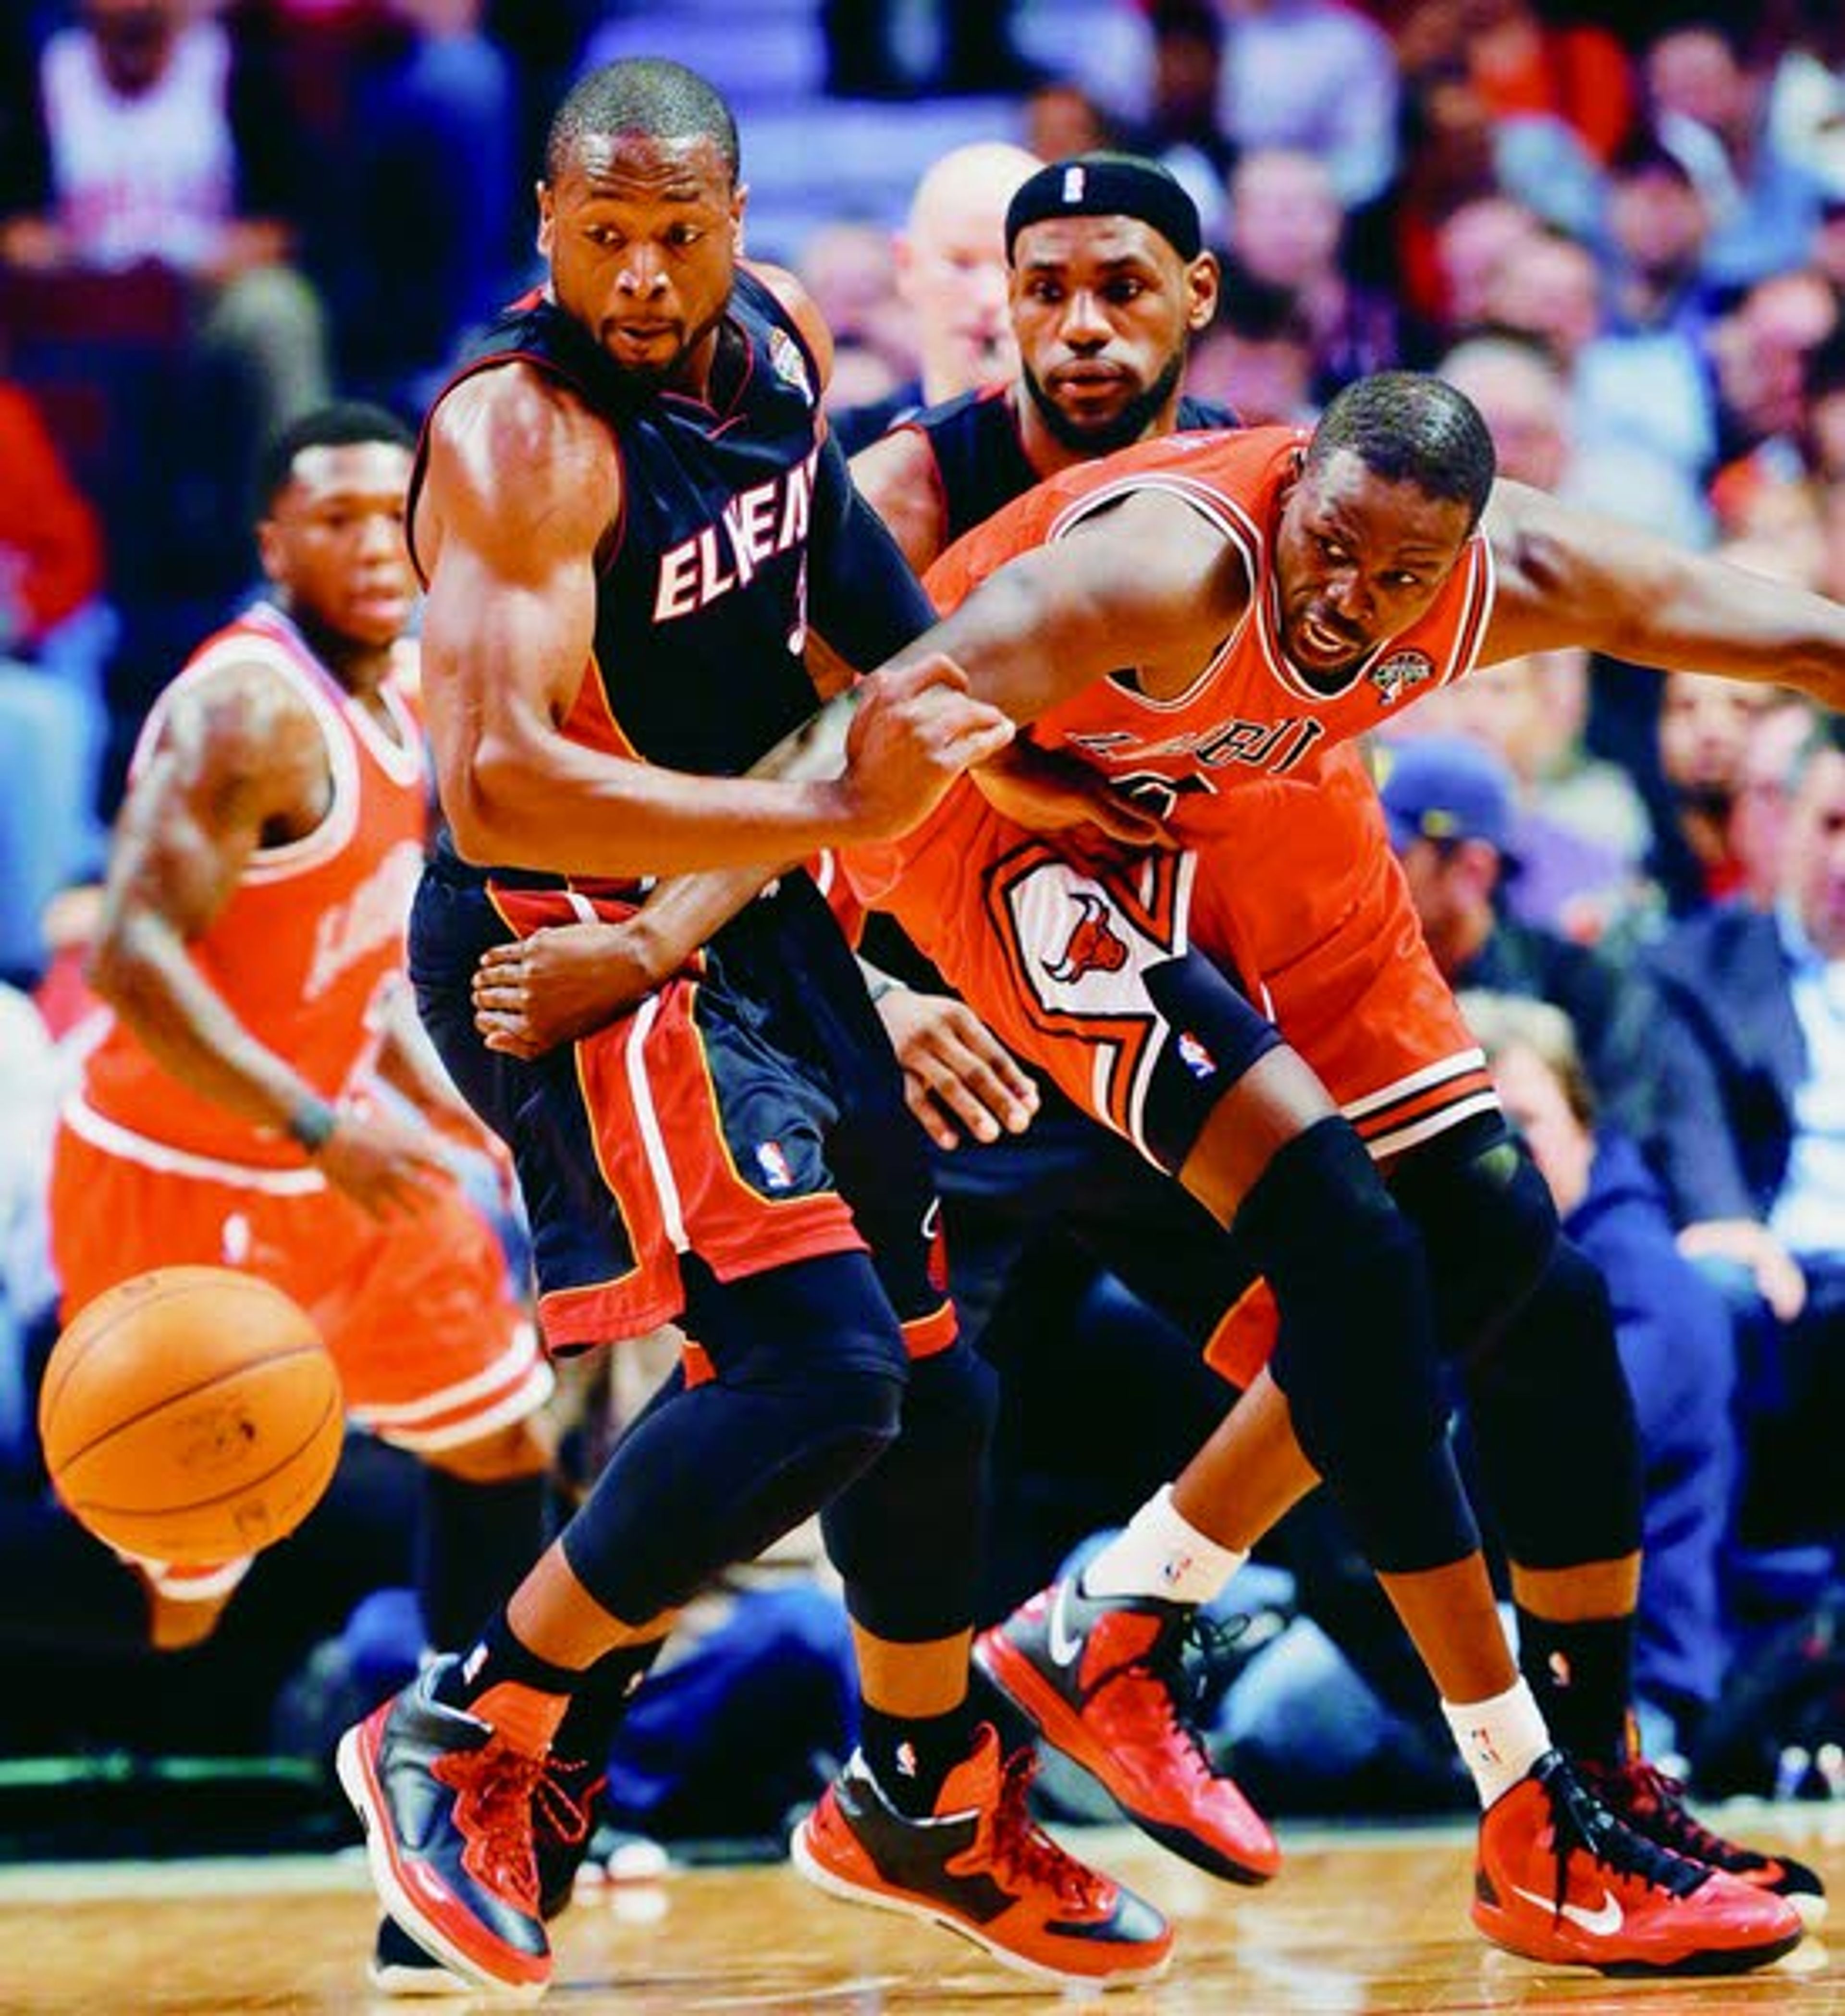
[(1194, 1056), (774, 1165)]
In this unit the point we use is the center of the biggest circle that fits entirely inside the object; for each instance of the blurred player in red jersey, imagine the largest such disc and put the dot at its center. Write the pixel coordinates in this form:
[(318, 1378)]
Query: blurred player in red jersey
[(235, 1109)]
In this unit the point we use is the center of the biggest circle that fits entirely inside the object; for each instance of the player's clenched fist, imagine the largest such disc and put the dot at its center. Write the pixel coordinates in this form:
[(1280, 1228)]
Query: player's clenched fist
[(914, 731)]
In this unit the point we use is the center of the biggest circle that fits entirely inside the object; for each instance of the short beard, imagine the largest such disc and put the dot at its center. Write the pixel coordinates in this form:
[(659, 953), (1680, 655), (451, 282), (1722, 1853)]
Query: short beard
[(1105, 436)]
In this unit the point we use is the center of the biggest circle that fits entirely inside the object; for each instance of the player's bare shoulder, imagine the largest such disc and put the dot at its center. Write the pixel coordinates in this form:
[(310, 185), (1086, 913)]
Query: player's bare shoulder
[(1169, 565), (801, 310), (241, 732), (517, 465), (897, 476)]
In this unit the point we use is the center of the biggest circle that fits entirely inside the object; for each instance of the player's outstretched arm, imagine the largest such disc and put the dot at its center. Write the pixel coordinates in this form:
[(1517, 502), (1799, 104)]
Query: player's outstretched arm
[(1568, 576)]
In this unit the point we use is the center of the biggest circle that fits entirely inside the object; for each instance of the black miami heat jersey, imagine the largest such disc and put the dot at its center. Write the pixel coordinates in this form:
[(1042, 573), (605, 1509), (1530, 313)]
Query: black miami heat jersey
[(700, 623), (980, 461), (749, 1111)]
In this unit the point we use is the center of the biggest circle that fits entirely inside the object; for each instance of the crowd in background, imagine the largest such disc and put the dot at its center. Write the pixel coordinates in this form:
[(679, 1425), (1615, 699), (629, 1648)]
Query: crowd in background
[(1624, 237)]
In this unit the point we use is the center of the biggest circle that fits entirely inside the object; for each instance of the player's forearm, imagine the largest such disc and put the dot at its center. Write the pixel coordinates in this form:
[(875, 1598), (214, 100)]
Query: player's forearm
[(572, 812), (686, 912), (150, 981), (1724, 620)]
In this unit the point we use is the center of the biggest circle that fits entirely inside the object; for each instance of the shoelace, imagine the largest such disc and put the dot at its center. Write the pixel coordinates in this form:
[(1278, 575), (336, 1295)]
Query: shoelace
[(1580, 1819), (1022, 1850), (497, 1785), (560, 1814), (1652, 1795)]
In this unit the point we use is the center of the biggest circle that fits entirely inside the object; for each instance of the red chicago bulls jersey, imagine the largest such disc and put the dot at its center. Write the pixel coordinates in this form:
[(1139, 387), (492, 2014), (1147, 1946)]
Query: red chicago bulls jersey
[(1248, 757), (311, 934), (1250, 712), (1286, 876)]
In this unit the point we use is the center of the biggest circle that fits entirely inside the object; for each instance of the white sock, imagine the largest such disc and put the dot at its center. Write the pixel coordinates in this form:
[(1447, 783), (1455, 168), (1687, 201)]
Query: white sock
[(1499, 1739), (1160, 1553)]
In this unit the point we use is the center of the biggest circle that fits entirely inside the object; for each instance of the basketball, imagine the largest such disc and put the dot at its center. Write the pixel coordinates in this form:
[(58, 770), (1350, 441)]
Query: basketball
[(191, 1415)]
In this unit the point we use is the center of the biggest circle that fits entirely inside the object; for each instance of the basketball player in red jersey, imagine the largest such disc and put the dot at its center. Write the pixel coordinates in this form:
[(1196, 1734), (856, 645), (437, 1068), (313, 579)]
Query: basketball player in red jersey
[(1282, 593), (250, 954)]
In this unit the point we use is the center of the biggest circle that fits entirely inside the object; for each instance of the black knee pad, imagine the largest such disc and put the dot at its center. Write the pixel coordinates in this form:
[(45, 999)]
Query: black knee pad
[(1488, 1225), (811, 1375), (907, 1534), (1355, 1353), (1552, 1418)]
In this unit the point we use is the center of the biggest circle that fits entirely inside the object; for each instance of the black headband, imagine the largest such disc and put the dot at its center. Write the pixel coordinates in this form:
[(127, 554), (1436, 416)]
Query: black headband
[(1109, 185)]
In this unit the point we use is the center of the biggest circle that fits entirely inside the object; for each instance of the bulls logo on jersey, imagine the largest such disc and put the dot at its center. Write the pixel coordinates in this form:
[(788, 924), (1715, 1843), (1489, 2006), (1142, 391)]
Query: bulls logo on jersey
[(1400, 673), (1094, 945)]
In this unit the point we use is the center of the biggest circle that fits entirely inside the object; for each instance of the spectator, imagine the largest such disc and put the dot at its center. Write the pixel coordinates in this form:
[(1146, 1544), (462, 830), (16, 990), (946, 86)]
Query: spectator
[(1806, 92), (1704, 726), (975, 50), (1181, 128), (1746, 1052), (1655, 227), (1060, 118), (1676, 1347), (1315, 75), (151, 138), (1547, 105), (951, 273), (1709, 109), (1448, 285), (1579, 827), (1640, 396), (55, 636), (1286, 228), (1759, 814), (1553, 427), (1256, 356), (1525, 67), (433, 158), (1448, 803), (1764, 350)]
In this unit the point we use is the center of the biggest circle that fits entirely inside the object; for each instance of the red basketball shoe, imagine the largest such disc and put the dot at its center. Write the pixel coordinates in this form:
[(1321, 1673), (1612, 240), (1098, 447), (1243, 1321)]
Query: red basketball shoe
[(1562, 1879), (981, 1867), (447, 1807), (1653, 1804), (1100, 1679)]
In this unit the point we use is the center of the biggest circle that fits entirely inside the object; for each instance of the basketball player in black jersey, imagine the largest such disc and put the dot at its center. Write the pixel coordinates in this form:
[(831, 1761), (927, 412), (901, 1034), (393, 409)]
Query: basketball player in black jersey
[(630, 523)]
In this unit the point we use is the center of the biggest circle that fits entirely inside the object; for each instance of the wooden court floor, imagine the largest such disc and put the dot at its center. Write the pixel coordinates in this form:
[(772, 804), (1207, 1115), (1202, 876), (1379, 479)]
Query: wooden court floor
[(1356, 1922)]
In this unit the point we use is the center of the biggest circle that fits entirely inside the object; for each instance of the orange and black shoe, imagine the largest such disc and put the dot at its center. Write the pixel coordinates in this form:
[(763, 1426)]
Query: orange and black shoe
[(1102, 1679), (980, 1867), (447, 1806), (564, 1809), (1561, 1878), (1653, 1804)]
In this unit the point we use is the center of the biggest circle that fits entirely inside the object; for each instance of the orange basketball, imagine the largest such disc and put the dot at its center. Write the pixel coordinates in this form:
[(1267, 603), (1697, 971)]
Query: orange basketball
[(191, 1415)]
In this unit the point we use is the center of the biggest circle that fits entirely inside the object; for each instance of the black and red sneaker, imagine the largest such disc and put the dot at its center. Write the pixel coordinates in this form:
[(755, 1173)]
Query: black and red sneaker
[(1562, 1879), (563, 1810), (1653, 1804), (980, 1866), (1102, 1679), (447, 1806)]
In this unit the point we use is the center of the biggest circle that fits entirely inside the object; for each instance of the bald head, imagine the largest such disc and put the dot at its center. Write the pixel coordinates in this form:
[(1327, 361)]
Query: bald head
[(951, 267), (979, 176), (1524, 399)]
